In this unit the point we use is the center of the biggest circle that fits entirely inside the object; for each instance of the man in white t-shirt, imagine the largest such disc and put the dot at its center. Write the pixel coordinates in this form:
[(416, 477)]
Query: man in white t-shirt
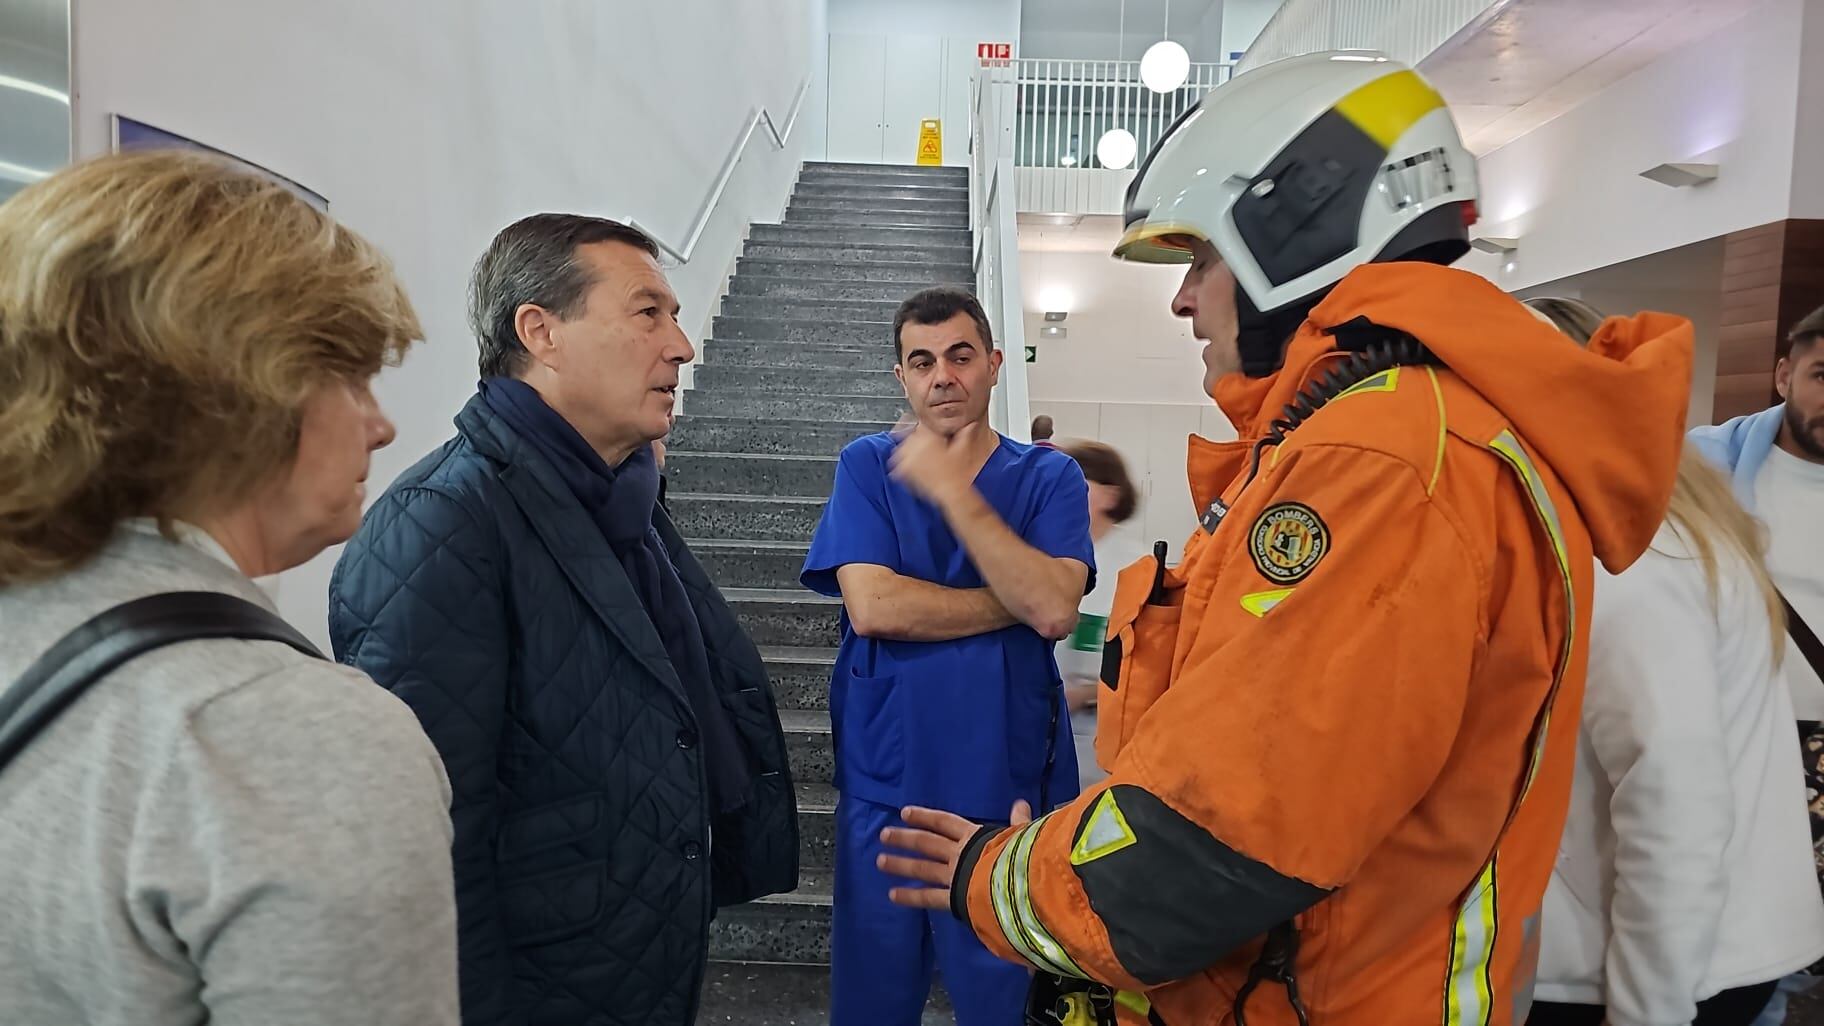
[(1776, 459)]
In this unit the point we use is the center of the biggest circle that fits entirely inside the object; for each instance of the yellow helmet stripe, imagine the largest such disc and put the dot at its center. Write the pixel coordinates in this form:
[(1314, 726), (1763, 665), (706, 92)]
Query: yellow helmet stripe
[(1386, 107)]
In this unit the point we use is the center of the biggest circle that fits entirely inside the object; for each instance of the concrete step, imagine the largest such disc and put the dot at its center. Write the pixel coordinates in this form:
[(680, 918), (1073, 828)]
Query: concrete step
[(803, 286), (838, 176), (740, 563), (713, 515), (809, 355), (938, 262), (816, 826), (807, 745), (800, 676), (781, 928), (876, 310), (879, 217), (950, 174), (732, 473), (881, 187), (796, 408), (819, 329), (800, 381), (772, 994), (697, 432), (861, 206), (792, 618), (954, 241), (788, 262)]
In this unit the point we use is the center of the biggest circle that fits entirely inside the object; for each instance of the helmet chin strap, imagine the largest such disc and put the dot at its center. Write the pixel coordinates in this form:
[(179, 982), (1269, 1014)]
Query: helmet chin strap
[(1262, 337)]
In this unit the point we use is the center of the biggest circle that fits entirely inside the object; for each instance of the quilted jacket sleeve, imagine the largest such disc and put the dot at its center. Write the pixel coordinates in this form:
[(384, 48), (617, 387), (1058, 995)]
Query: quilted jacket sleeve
[(416, 603)]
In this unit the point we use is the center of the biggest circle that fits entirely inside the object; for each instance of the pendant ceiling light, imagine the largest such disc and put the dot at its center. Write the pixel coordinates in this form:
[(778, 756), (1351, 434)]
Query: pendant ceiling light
[(1118, 147), (1166, 65)]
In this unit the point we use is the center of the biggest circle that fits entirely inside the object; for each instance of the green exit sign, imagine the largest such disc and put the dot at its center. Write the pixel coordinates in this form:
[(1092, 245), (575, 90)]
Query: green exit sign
[(1032, 354)]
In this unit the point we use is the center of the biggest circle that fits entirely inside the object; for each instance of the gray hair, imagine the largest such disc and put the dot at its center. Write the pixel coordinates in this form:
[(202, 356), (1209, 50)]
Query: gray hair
[(533, 260)]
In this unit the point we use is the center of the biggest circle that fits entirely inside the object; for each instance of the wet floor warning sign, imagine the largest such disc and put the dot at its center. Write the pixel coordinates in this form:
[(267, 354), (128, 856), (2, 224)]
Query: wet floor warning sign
[(931, 141)]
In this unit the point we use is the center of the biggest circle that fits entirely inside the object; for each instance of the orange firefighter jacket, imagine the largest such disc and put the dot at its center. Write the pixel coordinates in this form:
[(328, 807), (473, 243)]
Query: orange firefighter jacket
[(1354, 703)]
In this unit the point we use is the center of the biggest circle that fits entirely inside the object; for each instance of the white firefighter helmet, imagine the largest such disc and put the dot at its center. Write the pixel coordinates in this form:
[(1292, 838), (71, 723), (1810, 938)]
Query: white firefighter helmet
[(1302, 170)]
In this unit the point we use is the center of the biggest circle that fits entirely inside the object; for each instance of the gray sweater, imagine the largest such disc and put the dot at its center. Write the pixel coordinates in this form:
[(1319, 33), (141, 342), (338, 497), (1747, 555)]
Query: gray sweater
[(222, 832)]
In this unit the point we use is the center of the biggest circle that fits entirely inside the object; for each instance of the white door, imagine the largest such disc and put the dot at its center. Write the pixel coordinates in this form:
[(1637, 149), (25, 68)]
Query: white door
[(914, 92), (858, 77)]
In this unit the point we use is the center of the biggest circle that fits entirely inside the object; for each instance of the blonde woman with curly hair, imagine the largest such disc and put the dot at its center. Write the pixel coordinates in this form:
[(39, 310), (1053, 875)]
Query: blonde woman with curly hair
[(1684, 885), (220, 830)]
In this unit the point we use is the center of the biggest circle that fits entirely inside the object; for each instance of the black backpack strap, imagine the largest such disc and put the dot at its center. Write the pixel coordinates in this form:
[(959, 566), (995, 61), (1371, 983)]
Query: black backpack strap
[(112, 638), (1802, 635)]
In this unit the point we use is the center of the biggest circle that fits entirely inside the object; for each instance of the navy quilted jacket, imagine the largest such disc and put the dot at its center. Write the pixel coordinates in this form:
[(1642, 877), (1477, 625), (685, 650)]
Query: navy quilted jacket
[(480, 592)]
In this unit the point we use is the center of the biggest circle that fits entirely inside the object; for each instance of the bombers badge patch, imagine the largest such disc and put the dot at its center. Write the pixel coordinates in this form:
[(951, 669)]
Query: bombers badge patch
[(1287, 542)]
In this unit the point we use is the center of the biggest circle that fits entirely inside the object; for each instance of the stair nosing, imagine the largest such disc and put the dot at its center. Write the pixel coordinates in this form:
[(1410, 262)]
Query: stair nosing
[(795, 500), (760, 456), (792, 596), (719, 544)]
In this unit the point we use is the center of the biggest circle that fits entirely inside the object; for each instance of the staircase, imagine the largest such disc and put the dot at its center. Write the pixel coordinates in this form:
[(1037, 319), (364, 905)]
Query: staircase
[(800, 363)]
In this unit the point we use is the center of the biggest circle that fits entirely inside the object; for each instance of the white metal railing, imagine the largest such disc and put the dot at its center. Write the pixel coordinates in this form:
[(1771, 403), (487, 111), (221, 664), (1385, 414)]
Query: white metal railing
[(1065, 107), (759, 118), (993, 215)]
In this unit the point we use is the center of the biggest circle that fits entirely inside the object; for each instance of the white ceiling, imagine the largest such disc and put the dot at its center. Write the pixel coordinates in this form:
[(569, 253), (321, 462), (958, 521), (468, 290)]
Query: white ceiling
[(1538, 59), (1070, 233), (1103, 15)]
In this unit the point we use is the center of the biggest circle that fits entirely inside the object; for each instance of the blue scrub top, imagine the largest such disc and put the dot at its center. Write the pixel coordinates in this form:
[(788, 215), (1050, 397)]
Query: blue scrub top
[(958, 725)]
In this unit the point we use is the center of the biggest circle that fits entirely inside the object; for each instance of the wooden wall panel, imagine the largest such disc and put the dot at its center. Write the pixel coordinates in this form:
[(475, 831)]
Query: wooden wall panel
[(1772, 276)]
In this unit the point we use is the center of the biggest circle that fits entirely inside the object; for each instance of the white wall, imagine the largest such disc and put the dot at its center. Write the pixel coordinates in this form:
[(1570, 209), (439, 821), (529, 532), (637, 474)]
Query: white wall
[(1129, 374), (942, 34), (431, 124), (1570, 190), (1808, 155), (1242, 21)]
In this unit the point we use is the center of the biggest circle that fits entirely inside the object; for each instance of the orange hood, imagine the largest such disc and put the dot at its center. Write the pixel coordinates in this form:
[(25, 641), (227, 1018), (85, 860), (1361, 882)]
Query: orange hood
[(1609, 419)]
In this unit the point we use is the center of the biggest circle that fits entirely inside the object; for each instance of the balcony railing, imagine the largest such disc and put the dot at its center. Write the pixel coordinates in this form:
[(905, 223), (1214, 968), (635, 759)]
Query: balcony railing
[(1065, 107)]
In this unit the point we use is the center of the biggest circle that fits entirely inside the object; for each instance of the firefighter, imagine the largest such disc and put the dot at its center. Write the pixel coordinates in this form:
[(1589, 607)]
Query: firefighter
[(1340, 724)]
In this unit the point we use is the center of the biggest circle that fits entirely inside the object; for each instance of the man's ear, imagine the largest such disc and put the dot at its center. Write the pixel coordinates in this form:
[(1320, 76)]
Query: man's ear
[(536, 328), (1782, 378)]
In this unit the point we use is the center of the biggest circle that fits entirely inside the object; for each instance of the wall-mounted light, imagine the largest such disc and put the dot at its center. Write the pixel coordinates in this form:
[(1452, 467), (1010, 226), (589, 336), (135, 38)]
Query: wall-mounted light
[(1680, 176), (1495, 244), (1054, 331), (1058, 299)]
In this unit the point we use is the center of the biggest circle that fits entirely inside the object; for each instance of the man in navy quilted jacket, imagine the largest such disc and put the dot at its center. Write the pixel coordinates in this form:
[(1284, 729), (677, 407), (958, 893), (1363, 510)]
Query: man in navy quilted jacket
[(597, 706)]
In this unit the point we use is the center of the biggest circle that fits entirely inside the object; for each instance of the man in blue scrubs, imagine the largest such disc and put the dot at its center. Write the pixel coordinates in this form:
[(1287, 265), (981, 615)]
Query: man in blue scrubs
[(960, 555)]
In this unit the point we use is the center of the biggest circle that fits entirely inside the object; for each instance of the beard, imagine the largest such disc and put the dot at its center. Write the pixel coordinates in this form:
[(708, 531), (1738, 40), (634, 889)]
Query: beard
[(1808, 435)]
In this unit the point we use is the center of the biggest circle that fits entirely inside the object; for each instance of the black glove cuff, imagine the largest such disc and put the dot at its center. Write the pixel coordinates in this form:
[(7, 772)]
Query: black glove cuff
[(965, 868)]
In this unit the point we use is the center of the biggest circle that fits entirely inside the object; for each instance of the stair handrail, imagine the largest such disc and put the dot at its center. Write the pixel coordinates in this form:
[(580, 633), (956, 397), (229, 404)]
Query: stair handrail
[(759, 117), (993, 215)]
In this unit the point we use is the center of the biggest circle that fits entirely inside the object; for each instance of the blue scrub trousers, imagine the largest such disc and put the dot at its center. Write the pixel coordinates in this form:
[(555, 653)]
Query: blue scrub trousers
[(882, 955)]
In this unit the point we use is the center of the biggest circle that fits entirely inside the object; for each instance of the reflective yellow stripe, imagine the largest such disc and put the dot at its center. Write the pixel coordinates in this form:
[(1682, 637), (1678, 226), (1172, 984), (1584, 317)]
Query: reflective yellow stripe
[(1469, 999), (1437, 468), (1001, 889), (1469, 992), (1511, 450), (1386, 107), (1261, 603), (1042, 940), (1013, 912), (1386, 381)]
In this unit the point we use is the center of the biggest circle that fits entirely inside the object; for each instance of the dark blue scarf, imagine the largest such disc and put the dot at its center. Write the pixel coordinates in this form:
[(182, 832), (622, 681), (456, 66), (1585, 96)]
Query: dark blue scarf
[(620, 500)]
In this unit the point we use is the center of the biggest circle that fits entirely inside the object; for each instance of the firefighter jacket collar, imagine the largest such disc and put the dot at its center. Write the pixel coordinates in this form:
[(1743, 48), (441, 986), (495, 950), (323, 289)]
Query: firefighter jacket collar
[(1628, 388)]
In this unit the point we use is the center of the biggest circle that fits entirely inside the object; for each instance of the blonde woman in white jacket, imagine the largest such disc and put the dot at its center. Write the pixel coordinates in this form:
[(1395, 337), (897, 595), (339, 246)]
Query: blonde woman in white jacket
[(1685, 886)]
